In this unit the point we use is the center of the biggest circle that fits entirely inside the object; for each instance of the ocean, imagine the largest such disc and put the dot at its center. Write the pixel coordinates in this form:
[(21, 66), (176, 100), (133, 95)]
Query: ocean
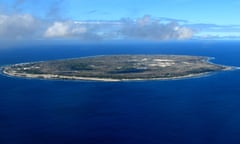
[(203, 110)]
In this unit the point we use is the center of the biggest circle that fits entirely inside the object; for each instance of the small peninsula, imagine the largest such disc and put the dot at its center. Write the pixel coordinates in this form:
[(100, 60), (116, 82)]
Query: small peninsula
[(117, 68)]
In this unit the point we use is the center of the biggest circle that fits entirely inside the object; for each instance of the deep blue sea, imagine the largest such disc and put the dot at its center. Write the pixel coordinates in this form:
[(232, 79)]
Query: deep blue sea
[(204, 110)]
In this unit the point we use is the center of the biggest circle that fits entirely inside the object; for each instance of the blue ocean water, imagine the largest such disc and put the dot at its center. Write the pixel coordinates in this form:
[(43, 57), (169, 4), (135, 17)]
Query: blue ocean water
[(203, 110)]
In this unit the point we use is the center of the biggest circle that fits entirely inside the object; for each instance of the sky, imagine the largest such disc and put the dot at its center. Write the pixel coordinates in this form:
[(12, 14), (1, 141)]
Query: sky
[(96, 20)]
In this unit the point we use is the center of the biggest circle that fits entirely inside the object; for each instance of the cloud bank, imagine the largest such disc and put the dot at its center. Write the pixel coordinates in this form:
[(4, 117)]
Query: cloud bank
[(150, 29), (27, 27), (213, 31), (17, 27)]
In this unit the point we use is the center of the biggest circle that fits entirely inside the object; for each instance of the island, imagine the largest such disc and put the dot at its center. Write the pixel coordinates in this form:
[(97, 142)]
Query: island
[(117, 68)]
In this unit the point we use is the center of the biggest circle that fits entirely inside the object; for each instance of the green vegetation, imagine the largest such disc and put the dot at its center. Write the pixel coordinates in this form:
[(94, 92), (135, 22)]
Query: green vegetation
[(117, 67)]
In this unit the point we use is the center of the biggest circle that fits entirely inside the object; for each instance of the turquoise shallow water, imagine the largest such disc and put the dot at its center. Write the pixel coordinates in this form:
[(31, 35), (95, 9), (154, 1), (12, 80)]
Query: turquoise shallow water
[(198, 110)]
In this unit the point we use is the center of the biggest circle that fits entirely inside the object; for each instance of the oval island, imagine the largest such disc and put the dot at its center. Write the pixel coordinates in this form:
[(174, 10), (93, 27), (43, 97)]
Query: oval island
[(117, 68)]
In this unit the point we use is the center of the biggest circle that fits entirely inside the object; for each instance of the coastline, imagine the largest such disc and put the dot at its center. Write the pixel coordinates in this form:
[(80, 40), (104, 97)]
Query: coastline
[(3, 70), (74, 78)]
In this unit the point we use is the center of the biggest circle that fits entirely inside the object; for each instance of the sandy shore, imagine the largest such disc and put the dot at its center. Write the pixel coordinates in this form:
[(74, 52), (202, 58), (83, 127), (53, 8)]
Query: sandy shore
[(61, 77)]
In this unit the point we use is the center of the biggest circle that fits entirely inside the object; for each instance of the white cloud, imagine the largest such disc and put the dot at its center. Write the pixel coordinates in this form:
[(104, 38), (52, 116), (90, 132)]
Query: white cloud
[(58, 29), (18, 26), (67, 29), (27, 27), (152, 29), (184, 33), (213, 31)]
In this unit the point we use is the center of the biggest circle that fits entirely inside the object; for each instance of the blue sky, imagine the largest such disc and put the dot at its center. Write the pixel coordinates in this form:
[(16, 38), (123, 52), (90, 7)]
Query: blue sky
[(204, 11), (205, 18)]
